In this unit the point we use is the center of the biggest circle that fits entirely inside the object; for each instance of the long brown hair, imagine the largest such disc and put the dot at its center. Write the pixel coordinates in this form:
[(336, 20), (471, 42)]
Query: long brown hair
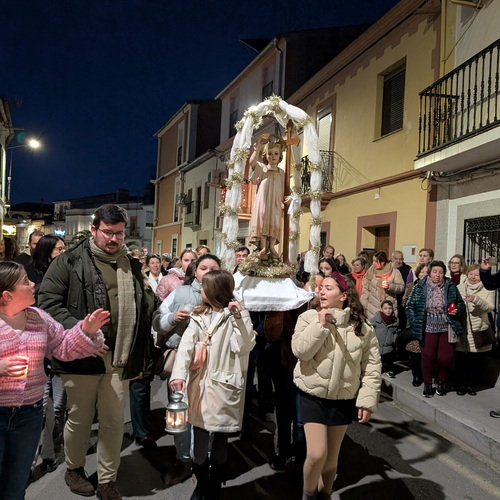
[(218, 286), (357, 316), (10, 273)]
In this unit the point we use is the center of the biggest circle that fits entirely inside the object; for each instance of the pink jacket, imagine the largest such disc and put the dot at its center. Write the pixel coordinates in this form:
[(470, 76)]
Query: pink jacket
[(42, 337), (170, 282)]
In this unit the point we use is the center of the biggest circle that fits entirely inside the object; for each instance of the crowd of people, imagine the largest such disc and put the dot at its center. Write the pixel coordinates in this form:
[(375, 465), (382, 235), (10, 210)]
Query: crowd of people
[(84, 326)]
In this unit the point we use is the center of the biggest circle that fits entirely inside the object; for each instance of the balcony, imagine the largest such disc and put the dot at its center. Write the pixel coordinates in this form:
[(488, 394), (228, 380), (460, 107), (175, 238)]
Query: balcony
[(460, 115), (192, 215), (326, 170), (327, 166)]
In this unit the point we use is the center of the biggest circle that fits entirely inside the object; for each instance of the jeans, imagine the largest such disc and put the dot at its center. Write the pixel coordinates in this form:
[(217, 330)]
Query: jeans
[(20, 429), (54, 401), (140, 406)]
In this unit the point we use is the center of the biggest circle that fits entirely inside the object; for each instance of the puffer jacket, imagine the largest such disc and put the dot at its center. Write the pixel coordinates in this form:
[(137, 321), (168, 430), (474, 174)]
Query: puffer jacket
[(476, 317), (335, 363), (67, 294), (216, 390), (373, 293), (416, 308), (386, 333), (169, 282)]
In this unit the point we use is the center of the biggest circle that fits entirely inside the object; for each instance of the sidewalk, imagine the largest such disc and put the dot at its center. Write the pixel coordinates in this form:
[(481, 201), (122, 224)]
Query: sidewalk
[(464, 417)]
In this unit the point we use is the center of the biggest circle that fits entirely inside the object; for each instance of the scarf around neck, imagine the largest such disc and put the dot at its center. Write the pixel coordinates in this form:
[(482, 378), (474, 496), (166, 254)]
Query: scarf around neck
[(359, 280), (387, 319), (126, 301)]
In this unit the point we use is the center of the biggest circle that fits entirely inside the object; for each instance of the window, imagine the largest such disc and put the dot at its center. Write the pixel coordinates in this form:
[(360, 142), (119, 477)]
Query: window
[(233, 114), (393, 100), (180, 143), (206, 197), (174, 246), (324, 128), (267, 81), (176, 192)]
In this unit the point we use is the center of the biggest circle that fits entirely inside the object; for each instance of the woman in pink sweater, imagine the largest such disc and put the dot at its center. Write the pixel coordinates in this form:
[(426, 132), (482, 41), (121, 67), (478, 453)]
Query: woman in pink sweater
[(27, 335)]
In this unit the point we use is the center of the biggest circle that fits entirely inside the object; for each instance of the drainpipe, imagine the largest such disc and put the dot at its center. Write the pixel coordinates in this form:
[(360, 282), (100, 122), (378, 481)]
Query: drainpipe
[(280, 73), (442, 66), (474, 5)]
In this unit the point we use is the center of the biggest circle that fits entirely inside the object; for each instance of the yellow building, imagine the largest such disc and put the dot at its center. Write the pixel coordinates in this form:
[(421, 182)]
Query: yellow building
[(366, 105)]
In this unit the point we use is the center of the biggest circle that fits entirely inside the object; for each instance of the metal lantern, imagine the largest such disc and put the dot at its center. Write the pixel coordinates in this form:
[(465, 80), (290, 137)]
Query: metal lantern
[(177, 414)]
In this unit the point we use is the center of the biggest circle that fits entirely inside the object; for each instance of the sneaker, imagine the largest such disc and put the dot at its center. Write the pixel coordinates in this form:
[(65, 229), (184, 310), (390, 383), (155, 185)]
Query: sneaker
[(495, 414), (146, 442), (107, 491), (78, 483), (417, 382), (48, 465), (428, 391), (461, 390), (391, 374), (178, 473), (278, 463)]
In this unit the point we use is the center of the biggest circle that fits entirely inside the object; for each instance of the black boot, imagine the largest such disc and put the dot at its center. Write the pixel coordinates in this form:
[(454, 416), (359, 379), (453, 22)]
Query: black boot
[(428, 391), (441, 389), (202, 473), (216, 477)]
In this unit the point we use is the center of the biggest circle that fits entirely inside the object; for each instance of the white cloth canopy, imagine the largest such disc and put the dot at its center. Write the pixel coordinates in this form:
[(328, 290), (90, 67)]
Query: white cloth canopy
[(269, 294)]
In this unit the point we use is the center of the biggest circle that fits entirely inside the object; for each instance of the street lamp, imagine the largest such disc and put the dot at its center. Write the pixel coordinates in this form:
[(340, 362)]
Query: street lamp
[(32, 144)]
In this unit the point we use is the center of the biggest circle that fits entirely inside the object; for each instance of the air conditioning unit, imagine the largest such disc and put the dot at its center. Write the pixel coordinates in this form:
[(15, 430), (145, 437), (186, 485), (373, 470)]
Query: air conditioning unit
[(181, 199)]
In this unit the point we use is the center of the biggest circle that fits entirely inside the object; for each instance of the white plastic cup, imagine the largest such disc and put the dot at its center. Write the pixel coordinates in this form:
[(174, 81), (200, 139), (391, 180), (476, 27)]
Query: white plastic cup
[(188, 307)]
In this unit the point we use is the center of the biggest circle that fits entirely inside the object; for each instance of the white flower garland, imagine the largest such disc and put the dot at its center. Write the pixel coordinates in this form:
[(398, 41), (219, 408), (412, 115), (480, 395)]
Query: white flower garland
[(242, 143)]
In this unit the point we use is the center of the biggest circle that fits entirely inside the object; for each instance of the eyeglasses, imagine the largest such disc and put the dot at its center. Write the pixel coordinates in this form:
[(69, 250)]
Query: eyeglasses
[(109, 234), (455, 262), (60, 249)]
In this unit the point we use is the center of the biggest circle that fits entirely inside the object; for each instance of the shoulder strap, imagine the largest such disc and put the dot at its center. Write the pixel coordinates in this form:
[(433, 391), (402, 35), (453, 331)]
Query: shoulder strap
[(217, 321)]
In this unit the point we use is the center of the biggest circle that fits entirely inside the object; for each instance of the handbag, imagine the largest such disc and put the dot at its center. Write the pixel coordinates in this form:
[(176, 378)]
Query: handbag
[(200, 348), (482, 338), (165, 363)]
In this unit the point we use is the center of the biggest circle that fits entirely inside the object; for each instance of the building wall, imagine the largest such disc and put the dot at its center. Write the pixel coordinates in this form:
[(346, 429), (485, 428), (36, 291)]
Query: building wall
[(198, 177), (474, 30), (362, 156)]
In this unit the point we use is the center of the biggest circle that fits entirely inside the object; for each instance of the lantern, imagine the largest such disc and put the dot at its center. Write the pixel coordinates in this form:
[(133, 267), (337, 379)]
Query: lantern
[(177, 414)]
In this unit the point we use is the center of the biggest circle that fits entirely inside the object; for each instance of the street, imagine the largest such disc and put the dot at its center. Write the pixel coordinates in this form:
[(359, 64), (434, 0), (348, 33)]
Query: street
[(395, 456)]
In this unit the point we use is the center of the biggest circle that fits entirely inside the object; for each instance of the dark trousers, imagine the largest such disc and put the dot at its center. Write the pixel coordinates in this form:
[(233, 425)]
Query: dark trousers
[(438, 356), (467, 368), (140, 406), (20, 429)]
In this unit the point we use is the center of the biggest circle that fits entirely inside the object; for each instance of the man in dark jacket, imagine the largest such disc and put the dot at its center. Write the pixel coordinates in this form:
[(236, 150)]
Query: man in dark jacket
[(407, 275), (490, 282), (97, 272)]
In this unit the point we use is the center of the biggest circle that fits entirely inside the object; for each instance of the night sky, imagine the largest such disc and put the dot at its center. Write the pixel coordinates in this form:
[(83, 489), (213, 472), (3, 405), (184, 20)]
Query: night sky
[(97, 78)]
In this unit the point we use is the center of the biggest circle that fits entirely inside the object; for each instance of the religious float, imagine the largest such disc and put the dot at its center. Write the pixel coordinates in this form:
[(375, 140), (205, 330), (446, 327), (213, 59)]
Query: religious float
[(264, 280)]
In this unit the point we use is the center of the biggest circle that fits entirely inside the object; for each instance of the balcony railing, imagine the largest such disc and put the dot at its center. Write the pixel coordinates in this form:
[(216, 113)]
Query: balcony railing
[(192, 213), (462, 103), (327, 165)]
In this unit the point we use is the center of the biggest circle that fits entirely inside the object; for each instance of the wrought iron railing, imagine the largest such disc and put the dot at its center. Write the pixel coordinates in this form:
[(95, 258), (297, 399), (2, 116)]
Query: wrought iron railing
[(192, 213), (462, 103), (482, 239), (327, 166)]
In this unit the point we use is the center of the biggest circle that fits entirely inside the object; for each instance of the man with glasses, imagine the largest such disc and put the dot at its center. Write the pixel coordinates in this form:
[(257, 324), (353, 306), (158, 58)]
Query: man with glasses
[(94, 273)]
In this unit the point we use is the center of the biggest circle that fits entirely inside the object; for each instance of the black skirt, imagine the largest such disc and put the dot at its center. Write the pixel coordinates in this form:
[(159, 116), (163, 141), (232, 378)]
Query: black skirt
[(326, 411)]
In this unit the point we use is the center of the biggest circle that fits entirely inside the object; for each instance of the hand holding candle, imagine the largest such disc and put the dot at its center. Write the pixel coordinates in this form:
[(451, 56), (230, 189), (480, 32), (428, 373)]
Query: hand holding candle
[(14, 366), (452, 308)]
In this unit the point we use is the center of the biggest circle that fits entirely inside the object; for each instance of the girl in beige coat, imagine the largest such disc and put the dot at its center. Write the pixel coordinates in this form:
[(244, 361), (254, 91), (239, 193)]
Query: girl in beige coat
[(382, 282), (338, 370), (216, 390), (479, 303)]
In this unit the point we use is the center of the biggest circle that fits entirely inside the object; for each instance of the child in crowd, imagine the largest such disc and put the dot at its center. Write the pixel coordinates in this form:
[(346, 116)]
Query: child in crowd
[(216, 386), (386, 328)]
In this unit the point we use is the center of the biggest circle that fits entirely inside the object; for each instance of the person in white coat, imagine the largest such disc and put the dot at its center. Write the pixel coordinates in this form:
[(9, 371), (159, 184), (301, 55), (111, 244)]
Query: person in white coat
[(338, 373), (222, 330)]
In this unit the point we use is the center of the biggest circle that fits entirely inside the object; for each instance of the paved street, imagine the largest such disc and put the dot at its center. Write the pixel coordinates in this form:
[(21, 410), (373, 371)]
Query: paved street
[(396, 456)]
